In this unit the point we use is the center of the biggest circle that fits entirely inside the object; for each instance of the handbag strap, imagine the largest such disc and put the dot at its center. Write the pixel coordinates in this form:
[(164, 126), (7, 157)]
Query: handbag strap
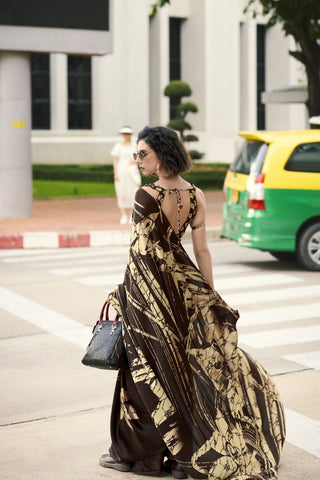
[(105, 311)]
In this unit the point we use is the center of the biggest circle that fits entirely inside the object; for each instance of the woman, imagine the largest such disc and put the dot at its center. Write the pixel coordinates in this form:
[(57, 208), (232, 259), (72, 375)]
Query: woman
[(126, 174), (191, 394)]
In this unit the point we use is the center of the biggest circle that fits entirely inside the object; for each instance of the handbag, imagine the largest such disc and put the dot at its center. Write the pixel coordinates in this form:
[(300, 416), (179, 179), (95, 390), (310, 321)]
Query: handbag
[(106, 348)]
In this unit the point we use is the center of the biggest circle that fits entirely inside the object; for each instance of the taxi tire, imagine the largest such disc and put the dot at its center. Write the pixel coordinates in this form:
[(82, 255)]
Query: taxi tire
[(302, 247)]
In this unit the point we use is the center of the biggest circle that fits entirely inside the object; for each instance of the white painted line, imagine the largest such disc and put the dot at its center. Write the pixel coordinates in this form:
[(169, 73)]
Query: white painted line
[(64, 253), (308, 359), (89, 269), (20, 252), (286, 336), (45, 318), (60, 254), (272, 295), (255, 281), (268, 316), (108, 280), (110, 260), (303, 432), (40, 240), (227, 269), (111, 237)]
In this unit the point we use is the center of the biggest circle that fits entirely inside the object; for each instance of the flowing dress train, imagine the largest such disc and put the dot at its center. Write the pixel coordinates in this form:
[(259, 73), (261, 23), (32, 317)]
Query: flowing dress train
[(191, 393)]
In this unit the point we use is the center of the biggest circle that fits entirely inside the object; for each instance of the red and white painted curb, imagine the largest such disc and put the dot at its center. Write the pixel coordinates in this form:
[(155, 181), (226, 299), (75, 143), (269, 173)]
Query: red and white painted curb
[(97, 238), (63, 240)]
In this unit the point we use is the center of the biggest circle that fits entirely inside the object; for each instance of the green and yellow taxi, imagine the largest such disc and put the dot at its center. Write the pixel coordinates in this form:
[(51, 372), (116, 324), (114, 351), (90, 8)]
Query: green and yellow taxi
[(273, 195)]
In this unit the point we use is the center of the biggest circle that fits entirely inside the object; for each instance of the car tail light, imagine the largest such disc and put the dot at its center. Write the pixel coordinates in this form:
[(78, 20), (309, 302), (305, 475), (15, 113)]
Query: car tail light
[(256, 195)]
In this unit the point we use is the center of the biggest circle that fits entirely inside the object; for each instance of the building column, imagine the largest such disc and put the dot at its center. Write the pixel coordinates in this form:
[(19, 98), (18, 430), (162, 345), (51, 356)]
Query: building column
[(15, 127), (159, 68), (248, 76), (59, 91)]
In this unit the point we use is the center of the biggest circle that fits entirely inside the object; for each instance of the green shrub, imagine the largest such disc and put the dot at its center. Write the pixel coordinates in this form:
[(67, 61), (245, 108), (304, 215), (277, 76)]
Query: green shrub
[(177, 88), (191, 138), (195, 155), (179, 125), (56, 181), (185, 107)]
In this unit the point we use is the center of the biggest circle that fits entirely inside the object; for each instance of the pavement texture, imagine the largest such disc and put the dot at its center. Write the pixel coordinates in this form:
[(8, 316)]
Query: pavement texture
[(85, 222)]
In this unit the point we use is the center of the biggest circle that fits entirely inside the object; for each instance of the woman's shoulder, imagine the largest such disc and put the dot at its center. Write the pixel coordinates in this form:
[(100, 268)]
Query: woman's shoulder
[(116, 148), (145, 201), (199, 191), (150, 189), (141, 192)]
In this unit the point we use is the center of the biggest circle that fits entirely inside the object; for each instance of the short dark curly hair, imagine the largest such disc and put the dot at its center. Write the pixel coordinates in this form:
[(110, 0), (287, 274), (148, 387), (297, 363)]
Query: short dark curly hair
[(168, 148)]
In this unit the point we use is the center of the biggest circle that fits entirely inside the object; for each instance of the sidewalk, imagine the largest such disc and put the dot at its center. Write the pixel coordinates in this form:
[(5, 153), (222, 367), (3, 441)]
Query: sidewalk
[(85, 222)]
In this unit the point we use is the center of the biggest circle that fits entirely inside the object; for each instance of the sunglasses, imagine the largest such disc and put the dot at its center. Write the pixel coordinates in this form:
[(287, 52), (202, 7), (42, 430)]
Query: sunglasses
[(141, 154)]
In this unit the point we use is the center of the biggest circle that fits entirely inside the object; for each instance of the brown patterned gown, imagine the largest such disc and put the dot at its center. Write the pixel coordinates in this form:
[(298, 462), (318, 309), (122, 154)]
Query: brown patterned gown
[(191, 393)]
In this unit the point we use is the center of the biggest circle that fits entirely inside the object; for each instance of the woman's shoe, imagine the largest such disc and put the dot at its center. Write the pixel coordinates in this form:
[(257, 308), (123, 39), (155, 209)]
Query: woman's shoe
[(171, 466), (123, 220), (109, 462)]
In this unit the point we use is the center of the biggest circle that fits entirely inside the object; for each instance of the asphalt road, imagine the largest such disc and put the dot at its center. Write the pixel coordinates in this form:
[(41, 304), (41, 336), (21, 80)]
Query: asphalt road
[(55, 412)]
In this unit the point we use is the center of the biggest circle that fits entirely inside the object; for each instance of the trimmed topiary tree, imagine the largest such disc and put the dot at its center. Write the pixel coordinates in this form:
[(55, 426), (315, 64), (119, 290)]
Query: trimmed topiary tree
[(175, 90)]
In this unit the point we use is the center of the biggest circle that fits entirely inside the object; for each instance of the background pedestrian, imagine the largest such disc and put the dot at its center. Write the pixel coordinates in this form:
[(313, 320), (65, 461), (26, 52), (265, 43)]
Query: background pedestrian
[(126, 174)]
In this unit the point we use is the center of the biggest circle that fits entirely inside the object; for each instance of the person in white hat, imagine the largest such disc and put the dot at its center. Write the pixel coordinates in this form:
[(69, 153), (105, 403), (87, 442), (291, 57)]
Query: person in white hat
[(126, 174)]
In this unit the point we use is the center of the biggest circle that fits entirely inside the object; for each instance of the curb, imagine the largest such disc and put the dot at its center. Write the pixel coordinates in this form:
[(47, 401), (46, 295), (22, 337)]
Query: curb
[(96, 238)]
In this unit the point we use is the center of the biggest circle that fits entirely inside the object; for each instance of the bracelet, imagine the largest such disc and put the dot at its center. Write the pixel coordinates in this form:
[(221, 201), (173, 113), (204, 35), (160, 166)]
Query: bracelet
[(198, 226)]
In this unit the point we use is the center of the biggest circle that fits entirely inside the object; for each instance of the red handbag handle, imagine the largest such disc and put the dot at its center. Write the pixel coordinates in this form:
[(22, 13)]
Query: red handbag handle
[(105, 308)]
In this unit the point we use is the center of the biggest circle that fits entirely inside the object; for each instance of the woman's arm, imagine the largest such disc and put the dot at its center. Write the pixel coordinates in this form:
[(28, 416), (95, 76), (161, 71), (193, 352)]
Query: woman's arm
[(199, 239), (115, 168)]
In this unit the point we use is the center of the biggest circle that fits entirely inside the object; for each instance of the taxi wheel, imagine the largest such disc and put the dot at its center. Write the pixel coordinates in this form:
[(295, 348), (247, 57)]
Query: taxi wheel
[(308, 247)]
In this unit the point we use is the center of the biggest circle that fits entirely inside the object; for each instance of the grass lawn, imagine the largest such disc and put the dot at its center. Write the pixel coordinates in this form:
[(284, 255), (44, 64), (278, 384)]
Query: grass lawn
[(54, 181), (67, 188)]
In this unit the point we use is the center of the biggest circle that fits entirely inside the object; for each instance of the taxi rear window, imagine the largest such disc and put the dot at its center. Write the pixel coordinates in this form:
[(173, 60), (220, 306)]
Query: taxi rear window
[(250, 158), (305, 158)]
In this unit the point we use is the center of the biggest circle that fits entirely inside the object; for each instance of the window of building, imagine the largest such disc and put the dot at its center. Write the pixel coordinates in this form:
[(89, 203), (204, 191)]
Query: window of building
[(174, 57), (305, 158), (79, 93), (261, 75), (40, 91)]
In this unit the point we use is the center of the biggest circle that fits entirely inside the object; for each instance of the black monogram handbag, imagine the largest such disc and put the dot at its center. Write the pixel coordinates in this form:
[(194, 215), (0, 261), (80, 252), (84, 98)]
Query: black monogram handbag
[(106, 348)]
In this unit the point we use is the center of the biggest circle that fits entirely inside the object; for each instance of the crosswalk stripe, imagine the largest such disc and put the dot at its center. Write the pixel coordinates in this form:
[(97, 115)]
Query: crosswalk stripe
[(84, 270), (255, 281), (57, 255), (108, 260), (286, 336), (225, 283), (277, 294), (308, 359), (22, 252), (45, 318), (227, 269), (288, 313), (108, 280), (115, 263), (302, 432)]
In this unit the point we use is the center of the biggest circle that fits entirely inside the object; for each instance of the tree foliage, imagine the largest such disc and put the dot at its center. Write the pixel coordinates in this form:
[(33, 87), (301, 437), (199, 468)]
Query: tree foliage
[(177, 89), (158, 4), (186, 107), (301, 19)]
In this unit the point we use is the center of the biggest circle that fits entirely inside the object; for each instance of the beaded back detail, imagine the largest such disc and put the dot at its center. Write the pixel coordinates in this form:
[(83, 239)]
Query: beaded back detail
[(177, 192)]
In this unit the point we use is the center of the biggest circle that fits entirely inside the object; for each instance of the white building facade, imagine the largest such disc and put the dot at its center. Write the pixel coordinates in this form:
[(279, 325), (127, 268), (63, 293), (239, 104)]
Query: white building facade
[(226, 57)]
